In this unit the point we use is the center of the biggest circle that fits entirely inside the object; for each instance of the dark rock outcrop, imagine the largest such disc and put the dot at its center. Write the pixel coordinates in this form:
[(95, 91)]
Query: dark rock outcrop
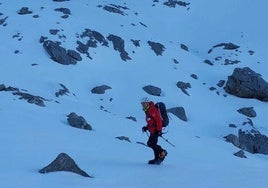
[(37, 100), (179, 112), (115, 9), (78, 121), (60, 54), (63, 162), (240, 154), (246, 83), (100, 89), (249, 141), (119, 45), (173, 3), (157, 47), (183, 86), (24, 10), (248, 111), (152, 90), (63, 91), (123, 138)]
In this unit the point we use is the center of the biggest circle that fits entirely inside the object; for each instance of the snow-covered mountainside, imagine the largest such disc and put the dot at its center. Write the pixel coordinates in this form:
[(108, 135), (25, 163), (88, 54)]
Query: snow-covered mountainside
[(94, 60)]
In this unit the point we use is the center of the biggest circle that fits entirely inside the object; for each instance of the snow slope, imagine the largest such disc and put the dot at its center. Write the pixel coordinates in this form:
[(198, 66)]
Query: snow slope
[(33, 136)]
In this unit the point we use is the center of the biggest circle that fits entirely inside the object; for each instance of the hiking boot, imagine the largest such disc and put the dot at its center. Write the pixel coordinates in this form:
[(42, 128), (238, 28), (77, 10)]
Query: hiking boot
[(155, 161), (162, 155), (151, 161)]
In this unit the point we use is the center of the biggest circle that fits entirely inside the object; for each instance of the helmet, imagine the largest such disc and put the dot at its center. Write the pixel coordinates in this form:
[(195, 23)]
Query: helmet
[(145, 99)]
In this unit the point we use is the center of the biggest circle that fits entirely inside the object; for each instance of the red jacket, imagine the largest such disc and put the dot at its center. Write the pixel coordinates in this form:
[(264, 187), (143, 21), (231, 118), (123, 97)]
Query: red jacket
[(153, 118)]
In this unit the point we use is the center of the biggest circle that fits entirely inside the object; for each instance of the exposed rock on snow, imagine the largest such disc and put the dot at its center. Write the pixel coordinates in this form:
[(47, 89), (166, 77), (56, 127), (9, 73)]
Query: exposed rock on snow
[(246, 83), (184, 47), (94, 37), (60, 54), (157, 47), (174, 3), (24, 10), (3, 21), (63, 91), (179, 112), (240, 154), (119, 45), (248, 138), (248, 111), (152, 90), (78, 121), (183, 86), (100, 89), (60, 0), (37, 100), (226, 46), (63, 162), (251, 142), (114, 9), (123, 138)]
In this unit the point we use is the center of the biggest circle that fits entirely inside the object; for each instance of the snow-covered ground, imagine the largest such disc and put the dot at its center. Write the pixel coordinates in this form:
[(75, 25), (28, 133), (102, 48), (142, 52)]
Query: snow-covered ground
[(32, 136)]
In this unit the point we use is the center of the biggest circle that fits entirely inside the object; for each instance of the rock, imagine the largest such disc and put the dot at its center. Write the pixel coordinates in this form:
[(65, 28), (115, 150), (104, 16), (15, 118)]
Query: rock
[(58, 53), (173, 3), (179, 112), (115, 9), (119, 45), (157, 47), (75, 55), (132, 118), (37, 100), (221, 83), (250, 142), (240, 154), (2, 87), (63, 91), (123, 138), (245, 83), (100, 89), (184, 47), (136, 42), (3, 20), (78, 121), (183, 86), (248, 111), (65, 11), (24, 10), (152, 90), (63, 162)]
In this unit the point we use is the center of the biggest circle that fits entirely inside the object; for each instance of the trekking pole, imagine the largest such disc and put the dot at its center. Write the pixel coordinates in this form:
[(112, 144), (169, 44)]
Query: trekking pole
[(167, 141)]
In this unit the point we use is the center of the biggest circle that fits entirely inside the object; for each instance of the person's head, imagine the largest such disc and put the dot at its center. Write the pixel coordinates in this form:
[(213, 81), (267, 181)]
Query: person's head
[(145, 102)]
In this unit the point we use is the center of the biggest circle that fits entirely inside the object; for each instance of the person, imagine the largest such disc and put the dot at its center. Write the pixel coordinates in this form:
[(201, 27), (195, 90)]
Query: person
[(154, 126)]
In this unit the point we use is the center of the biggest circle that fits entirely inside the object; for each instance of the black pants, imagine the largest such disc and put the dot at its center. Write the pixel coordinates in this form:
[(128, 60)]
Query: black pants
[(152, 143)]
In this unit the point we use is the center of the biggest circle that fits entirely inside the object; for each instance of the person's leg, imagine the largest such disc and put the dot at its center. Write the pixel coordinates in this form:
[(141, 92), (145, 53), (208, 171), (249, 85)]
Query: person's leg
[(152, 143)]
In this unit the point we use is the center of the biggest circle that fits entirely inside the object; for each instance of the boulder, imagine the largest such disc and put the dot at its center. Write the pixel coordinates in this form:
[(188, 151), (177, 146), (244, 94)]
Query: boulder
[(246, 83), (253, 142), (78, 121), (152, 90), (119, 45), (63, 162), (184, 86), (179, 112), (247, 111), (100, 89), (60, 54)]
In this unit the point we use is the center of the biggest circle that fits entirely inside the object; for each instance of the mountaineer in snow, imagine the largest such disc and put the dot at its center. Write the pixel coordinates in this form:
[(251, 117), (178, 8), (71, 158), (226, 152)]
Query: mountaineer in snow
[(154, 126)]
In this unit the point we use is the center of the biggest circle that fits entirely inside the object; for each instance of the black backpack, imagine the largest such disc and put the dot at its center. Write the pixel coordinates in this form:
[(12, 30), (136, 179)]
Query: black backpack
[(163, 113)]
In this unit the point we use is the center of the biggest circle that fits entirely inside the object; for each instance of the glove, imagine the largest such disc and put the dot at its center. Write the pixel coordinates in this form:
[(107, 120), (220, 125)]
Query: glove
[(144, 129), (158, 133)]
